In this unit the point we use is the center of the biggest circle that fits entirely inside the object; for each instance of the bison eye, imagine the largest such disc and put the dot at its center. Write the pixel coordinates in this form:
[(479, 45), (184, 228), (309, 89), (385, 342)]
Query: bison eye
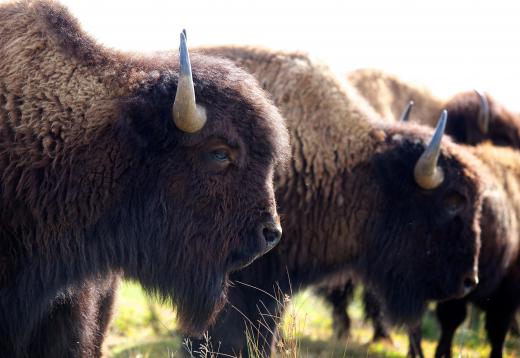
[(220, 155), (217, 156), (454, 203)]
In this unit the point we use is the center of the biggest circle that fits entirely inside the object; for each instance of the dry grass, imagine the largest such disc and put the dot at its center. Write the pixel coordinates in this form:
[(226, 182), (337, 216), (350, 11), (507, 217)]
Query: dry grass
[(142, 329)]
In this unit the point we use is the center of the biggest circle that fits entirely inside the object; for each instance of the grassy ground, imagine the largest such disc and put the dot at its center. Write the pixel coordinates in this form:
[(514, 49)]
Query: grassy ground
[(142, 329)]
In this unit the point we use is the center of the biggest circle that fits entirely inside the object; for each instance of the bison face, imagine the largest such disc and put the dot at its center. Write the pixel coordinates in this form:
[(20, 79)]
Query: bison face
[(421, 244), (202, 204), (475, 118)]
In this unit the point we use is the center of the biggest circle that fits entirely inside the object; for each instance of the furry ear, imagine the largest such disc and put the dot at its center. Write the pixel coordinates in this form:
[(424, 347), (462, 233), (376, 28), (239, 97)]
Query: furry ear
[(145, 122)]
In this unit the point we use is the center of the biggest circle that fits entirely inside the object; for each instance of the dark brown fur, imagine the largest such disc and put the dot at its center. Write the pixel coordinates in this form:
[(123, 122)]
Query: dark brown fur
[(389, 94), (504, 126), (96, 180), (498, 293), (350, 202)]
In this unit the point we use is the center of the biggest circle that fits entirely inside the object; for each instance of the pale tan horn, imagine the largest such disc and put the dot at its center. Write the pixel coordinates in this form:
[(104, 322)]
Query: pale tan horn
[(406, 113), (483, 113), (187, 115), (426, 172)]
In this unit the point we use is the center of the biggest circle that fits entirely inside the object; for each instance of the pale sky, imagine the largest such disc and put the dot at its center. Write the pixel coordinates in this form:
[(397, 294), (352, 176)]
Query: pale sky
[(445, 45)]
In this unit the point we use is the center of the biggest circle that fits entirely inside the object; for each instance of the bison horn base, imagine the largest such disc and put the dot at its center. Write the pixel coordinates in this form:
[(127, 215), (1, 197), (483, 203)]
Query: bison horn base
[(187, 115)]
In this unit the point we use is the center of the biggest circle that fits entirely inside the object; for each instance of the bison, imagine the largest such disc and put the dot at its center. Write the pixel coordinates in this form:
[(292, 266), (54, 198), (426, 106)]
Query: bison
[(474, 116), (498, 291), (361, 195), (121, 164), (338, 293), (477, 118), (388, 95)]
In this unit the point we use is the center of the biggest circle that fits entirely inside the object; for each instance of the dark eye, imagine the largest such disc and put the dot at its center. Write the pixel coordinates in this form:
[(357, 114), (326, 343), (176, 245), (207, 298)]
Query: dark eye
[(220, 155), (454, 203)]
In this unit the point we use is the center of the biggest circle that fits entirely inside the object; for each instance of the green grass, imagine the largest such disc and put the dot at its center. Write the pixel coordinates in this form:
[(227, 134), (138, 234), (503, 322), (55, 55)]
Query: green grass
[(142, 328)]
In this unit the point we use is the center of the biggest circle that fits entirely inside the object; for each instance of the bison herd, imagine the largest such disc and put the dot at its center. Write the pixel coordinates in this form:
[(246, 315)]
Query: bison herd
[(180, 173)]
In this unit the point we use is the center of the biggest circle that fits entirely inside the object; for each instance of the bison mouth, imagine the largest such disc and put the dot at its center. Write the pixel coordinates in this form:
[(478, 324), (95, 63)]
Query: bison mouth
[(240, 261)]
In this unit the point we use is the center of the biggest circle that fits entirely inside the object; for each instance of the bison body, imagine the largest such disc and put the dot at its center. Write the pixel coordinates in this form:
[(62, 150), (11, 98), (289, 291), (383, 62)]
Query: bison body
[(501, 126), (499, 280), (350, 203), (498, 291), (388, 95), (97, 180)]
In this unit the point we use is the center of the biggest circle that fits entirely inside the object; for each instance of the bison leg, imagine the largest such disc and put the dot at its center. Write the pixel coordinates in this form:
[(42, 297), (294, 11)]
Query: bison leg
[(75, 325), (374, 313), (104, 313), (339, 299), (499, 316), (414, 339), (450, 315), (515, 329)]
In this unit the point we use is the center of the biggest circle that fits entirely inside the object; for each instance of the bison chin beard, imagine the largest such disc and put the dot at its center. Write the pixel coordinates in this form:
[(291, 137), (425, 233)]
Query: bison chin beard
[(196, 317), (198, 302), (197, 296), (402, 304)]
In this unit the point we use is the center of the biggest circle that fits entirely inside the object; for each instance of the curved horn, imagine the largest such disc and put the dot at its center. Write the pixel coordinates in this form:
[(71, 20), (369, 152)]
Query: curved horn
[(426, 172), (406, 113), (483, 113), (187, 115)]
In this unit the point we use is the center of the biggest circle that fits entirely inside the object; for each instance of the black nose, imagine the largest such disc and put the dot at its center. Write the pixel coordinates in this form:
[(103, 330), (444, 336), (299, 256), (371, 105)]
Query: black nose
[(470, 282), (271, 233)]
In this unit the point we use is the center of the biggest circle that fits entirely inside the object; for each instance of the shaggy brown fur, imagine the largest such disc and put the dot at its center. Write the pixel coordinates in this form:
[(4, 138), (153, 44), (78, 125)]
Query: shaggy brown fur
[(498, 292), (389, 94), (96, 179), (350, 202), (499, 263), (504, 126)]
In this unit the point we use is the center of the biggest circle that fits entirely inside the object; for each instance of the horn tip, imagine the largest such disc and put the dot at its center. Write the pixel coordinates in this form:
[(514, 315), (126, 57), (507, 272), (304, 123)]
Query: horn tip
[(444, 115)]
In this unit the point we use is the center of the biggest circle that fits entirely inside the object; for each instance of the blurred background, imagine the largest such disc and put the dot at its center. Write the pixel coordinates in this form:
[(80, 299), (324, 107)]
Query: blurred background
[(445, 45)]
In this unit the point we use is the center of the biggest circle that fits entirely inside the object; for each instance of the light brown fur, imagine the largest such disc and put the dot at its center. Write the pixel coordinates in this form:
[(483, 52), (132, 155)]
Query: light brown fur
[(389, 95)]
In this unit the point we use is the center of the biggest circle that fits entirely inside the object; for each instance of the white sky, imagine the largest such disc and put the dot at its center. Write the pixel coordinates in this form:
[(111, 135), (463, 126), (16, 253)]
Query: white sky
[(447, 45)]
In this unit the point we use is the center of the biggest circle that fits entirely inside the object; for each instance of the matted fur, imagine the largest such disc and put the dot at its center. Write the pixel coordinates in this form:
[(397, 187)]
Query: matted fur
[(349, 203), (96, 180)]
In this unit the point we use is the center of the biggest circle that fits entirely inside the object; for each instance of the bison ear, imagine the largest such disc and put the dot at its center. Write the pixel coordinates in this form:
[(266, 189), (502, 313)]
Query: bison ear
[(143, 123)]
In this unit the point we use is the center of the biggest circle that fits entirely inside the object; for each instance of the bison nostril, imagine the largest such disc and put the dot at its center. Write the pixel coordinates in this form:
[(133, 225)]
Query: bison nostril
[(271, 233), (470, 283)]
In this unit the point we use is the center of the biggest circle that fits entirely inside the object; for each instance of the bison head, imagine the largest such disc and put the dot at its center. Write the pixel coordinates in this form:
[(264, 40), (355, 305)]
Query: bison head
[(422, 240), (476, 117), (200, 202)]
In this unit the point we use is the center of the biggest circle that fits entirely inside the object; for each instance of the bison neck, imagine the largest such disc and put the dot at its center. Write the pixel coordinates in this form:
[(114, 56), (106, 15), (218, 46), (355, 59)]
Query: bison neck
[(500, 221), (334, 132)]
